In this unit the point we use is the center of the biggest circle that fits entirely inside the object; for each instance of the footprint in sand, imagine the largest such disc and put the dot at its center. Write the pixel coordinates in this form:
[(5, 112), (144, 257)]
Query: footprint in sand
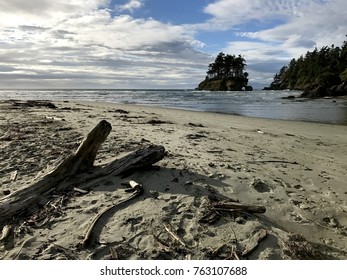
[(174, 207), (332, 222), (298, 218), (261, 186)]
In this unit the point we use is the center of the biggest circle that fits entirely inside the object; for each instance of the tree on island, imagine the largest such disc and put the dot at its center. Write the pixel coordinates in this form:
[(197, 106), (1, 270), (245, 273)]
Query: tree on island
[(319, 73), (226, 73)]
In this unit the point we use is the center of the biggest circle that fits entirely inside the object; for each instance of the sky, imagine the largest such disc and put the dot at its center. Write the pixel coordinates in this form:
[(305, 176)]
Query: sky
[(156, 44)]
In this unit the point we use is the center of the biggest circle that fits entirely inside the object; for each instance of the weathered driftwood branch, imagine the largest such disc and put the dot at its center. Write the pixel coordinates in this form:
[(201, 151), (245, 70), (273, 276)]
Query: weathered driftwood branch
[(216, 206), (91, 236), (69, 173), (252, 242), (86, 153), (273, 161), (174, 235), (5, 232), (237, 206)]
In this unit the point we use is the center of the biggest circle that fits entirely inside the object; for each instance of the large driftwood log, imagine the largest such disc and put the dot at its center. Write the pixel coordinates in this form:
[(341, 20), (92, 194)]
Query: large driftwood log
[(76, 169)]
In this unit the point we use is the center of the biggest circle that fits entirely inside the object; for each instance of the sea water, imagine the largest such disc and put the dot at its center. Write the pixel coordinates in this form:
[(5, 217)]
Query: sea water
[(257, 103)]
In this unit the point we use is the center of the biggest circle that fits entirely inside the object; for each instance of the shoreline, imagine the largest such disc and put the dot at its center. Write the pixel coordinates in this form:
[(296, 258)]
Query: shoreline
[(222, 113), (317, 110), (297, 170)]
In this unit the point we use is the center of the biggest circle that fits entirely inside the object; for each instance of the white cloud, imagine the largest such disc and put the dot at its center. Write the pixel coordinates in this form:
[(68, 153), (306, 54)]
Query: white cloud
[(324, 24), (130, 6), (229, 13), (81, 43), (302, 24), (238, 11), (85, 45), (35, 6), (44, 12), (123, 32)]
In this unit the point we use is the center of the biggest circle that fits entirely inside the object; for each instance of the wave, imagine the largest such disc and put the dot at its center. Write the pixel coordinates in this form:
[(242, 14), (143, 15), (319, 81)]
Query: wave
[(263, 103)]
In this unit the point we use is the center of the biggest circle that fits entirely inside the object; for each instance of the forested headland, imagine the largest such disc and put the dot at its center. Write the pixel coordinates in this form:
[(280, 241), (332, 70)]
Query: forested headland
[(319, 73), (226, 73)]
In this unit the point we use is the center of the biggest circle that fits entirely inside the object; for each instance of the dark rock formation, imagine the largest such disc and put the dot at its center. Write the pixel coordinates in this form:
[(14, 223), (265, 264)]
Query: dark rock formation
[(314, 91), (288, 97), (225, 84), (318, 91), (340, 89)]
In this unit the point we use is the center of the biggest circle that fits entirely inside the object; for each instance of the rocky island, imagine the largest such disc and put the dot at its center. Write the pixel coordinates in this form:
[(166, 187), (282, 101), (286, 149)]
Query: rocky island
[(226, 73)]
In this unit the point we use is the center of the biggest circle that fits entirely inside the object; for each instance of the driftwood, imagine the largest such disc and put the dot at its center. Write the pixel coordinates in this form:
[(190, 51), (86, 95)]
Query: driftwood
[(237, 206), (174, 235), (273, 161), (90, 236), (217, 206), (75, 170), (251, 243), (5, 232)]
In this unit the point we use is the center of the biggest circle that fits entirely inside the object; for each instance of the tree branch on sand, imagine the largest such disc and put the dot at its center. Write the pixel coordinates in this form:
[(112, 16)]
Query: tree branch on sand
[(74, 170)]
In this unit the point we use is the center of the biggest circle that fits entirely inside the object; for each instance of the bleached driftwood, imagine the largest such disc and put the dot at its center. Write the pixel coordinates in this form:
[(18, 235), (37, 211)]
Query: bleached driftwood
[(76, 169), (90, 236), (252, 242)]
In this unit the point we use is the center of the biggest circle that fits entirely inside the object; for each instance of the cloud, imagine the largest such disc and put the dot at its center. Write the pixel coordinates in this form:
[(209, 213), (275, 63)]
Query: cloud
[(234, 12), (302, 24), (44, 12), (41, 6), (230, 13), (123, 32), (88, 45), (130, 6), (83, 43), (263, 59)]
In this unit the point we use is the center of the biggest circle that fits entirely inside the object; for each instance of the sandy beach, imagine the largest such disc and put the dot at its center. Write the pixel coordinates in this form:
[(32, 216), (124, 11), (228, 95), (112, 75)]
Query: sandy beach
[(296, 170)]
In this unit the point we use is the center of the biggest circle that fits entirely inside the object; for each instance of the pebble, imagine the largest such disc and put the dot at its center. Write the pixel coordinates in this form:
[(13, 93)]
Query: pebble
[(328, 241), (305, 206), (154, 194)]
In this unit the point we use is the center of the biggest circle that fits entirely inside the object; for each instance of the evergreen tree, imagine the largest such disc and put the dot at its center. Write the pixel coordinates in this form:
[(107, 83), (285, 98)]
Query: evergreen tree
[(226, 73), (226, 66), (326, 67)]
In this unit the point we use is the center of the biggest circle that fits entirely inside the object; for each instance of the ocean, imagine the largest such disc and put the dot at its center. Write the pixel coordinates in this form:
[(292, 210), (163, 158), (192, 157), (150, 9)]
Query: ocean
[(257, 103)]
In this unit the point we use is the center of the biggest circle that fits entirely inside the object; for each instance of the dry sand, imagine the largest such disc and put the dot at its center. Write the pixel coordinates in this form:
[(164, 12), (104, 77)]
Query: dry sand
[(297, 170)]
